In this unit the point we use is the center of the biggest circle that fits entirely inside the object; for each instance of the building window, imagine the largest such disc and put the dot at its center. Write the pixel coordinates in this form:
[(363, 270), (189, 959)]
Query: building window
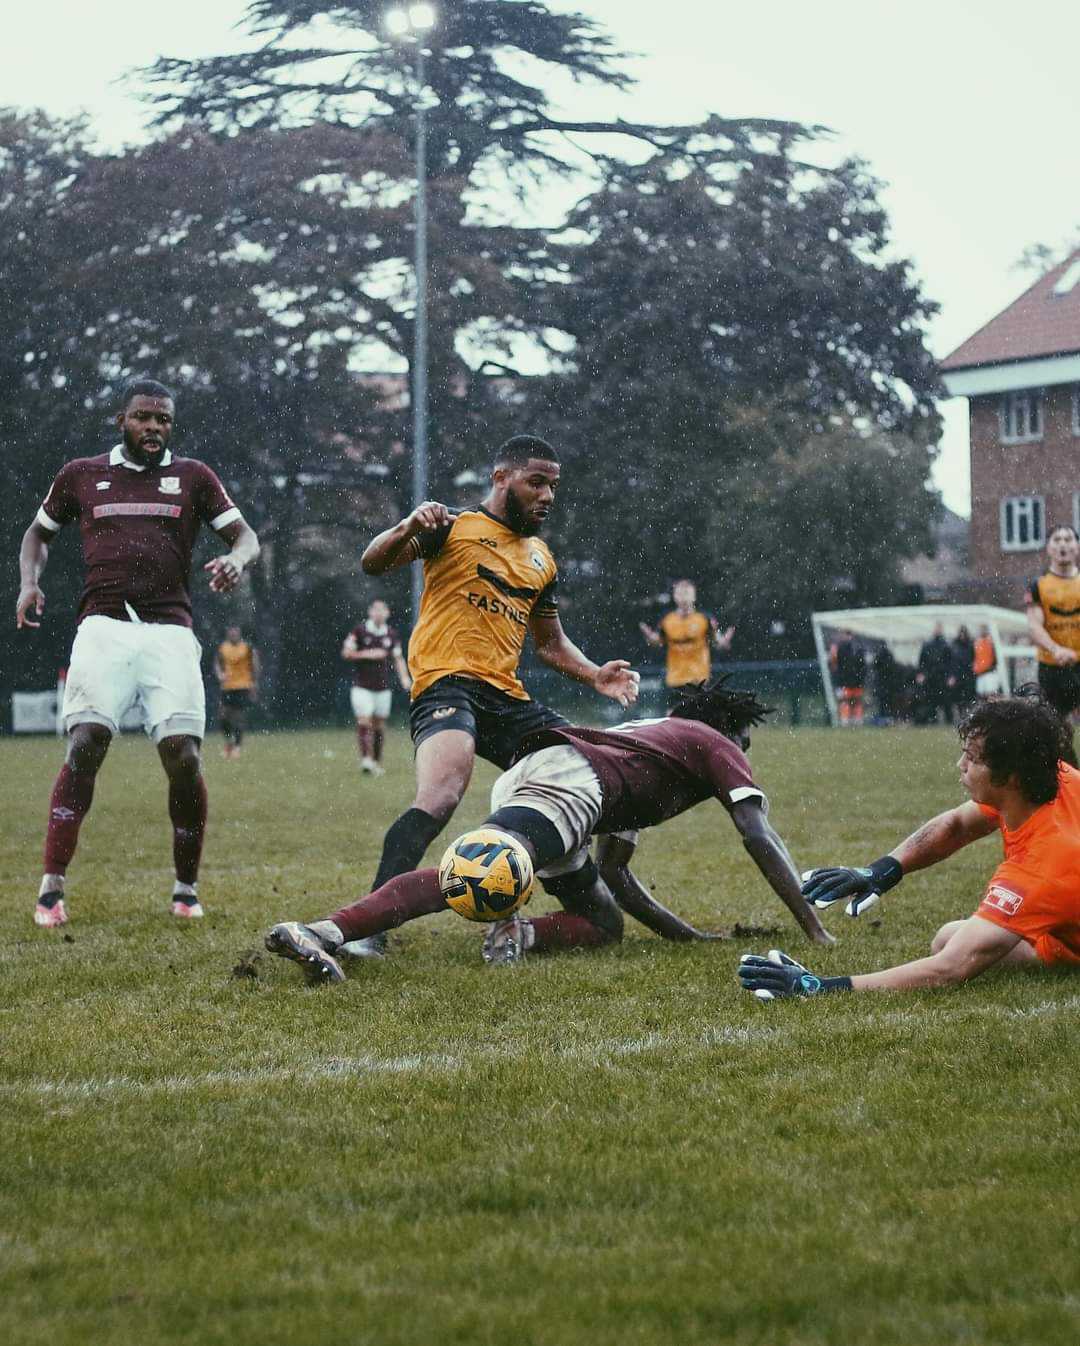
[(1023, 523), (1021, 416)]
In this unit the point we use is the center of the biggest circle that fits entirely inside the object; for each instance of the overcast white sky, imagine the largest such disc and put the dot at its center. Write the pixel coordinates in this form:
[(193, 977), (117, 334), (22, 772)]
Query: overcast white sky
[(968, 112)]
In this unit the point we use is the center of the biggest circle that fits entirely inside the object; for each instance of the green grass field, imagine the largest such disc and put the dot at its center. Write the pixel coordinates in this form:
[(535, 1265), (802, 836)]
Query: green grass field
[(617, 1147)]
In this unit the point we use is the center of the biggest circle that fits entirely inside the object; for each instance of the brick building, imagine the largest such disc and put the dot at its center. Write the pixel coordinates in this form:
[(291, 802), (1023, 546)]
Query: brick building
[(1021, 376)]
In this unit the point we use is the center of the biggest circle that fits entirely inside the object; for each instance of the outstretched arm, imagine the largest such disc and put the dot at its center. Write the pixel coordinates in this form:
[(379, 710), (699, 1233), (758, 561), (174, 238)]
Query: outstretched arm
[(976, 946), (615, 679), (613, 856), (33, 555), (943, 836), (936, 840), (771, 856)]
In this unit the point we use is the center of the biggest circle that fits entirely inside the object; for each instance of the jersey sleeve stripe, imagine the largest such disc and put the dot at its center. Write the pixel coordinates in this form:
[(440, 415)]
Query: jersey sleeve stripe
[(745, 792), (225, 518), (45, 522)]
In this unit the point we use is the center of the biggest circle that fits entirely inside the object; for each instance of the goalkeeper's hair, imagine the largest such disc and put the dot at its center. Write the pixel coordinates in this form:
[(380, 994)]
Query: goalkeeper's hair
[(727, 709), (1021, 736), (144, 388)]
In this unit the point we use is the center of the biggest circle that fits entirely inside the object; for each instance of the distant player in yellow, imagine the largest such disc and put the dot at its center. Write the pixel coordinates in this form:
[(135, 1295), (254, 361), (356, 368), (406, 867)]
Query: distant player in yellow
[(489, 580), (1053, 614), (236, 666), (689, 636)]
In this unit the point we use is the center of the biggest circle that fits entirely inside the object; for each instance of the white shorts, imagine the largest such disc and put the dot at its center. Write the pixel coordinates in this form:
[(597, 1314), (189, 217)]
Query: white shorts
[(559, 783), (118, 665), (367, 705)]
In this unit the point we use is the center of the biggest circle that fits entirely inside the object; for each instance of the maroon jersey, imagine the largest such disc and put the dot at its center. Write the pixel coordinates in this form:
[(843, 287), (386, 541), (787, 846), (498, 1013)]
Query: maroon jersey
[(374, 674), (138, 527), (651, 770)]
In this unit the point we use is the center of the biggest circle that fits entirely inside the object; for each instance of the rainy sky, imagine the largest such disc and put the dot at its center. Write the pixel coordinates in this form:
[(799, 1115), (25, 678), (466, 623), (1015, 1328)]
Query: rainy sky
[(968, 112)]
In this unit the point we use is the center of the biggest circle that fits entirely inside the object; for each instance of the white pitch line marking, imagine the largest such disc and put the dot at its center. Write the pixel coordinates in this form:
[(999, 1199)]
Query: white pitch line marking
[(605, 1052)]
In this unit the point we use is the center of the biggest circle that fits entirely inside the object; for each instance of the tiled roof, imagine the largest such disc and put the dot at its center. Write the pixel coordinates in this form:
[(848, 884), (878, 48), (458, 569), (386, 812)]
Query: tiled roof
[(1044, 321)]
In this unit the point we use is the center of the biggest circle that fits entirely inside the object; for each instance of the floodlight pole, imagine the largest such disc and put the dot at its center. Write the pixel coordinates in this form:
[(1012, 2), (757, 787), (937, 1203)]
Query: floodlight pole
[(420, 324)]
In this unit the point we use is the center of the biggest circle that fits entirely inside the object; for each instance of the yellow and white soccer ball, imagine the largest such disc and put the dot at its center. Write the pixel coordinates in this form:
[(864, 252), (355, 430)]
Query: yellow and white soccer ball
[(486, 875)]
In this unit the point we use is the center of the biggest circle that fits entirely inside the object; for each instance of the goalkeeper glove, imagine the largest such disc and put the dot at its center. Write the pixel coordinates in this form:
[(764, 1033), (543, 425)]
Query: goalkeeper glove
[(864, 885), (777, 976)]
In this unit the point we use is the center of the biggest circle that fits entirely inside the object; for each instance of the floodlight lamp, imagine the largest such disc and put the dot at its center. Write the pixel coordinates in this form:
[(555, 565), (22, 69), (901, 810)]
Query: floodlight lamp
[(422, 16), (397, 22)]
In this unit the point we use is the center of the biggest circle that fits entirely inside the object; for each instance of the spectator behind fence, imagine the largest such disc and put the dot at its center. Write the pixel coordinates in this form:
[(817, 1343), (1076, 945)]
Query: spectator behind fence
[(847, 661), (936, 678), (984, 663)]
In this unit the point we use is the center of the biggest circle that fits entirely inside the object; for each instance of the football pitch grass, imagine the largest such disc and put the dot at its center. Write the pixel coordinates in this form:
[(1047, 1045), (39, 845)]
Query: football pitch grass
[(613, 1147)]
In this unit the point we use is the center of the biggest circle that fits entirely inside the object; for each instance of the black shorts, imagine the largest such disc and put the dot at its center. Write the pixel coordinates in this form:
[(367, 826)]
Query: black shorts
[(239, 697), (498, 722), (1060, 686)]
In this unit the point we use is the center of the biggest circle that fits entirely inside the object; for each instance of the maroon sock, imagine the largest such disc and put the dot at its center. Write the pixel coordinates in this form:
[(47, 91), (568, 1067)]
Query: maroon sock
[(376, 744), (187, 809), (72, 796), (563, 930), (363, 739), (397, 901)]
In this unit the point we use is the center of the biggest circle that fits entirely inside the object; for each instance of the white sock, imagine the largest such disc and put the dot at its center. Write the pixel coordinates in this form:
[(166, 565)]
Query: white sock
[(186, 890), (328, 932), (51, 883)]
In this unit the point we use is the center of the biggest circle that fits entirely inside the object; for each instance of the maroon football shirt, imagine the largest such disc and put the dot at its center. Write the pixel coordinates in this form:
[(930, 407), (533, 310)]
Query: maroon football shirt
[(374, 674), (138, 530), (651, 770)]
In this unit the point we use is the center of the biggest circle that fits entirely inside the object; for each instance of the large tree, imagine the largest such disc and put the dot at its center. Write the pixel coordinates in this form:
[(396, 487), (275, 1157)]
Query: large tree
[(745, 349), (494, 138)]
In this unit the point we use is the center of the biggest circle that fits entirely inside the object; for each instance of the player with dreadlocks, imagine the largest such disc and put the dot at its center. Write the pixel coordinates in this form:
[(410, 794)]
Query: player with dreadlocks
[(566, 785)]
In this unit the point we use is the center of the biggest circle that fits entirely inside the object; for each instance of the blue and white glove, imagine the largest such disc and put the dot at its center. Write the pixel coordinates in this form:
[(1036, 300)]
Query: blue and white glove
[(776, 977), (863, 885)]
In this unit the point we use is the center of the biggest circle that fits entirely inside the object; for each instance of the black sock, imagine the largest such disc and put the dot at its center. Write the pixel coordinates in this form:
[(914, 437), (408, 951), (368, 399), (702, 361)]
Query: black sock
[(405, 843)]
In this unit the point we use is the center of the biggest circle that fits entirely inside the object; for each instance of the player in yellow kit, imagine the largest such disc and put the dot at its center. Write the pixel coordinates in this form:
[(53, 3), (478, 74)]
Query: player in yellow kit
[(1053, 614), (489, 580), (689, 637), (236, 666)]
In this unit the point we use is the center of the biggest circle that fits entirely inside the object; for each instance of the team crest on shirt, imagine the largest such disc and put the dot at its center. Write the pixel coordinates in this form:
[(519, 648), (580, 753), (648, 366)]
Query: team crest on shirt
[(104, 485), (169, 486), (1003, 899), (443, 712)]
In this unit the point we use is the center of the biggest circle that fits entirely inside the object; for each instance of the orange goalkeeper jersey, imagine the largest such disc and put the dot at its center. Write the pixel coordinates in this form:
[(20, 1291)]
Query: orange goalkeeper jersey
[(482, 585), (1035, 891)]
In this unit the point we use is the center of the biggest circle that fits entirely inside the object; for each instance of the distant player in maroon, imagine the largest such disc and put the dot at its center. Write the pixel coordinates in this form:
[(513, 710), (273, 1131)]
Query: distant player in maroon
[(371, 648), (567, 785), (139, 511)]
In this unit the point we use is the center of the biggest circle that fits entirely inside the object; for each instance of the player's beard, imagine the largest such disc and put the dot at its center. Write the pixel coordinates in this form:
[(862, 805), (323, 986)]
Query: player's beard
[(516, 517), (139, 455)]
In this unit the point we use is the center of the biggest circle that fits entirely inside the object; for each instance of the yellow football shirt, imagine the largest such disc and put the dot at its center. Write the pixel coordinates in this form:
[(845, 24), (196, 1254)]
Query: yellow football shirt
[(1059, 598), (237, 665), (482, 584), (687, 640)]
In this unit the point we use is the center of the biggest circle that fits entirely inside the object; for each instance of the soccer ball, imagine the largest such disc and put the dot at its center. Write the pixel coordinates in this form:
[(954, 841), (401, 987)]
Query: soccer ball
[(486, 875)]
